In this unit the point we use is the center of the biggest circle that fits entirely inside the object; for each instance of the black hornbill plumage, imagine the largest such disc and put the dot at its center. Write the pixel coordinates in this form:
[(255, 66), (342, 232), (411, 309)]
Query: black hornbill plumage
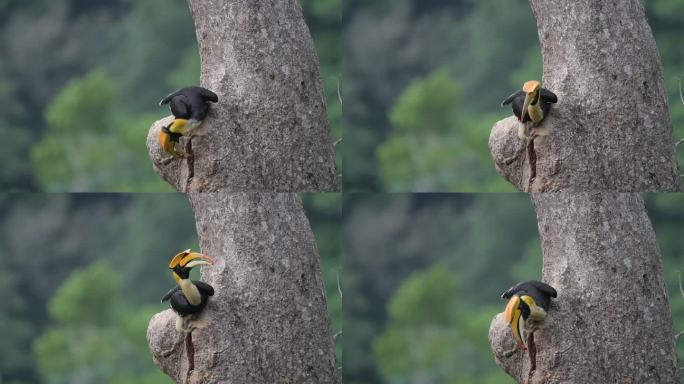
[(189, 297), (190, 103), (189, 106), (530, 105), (529, 300), (180, 303)]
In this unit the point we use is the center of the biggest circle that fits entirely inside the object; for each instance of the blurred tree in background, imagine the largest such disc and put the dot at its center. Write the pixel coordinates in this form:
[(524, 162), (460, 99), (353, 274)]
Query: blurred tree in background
[(428, 329), (45, 237), (423, 152), (97, 336), (425, 272), (396, 51), (90, 270), (80, 82)]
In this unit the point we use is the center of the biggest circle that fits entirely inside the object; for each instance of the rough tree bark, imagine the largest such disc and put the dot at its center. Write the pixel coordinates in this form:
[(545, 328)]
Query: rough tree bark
[(611, 128), (611, 321), (269, 130), (268, 322)]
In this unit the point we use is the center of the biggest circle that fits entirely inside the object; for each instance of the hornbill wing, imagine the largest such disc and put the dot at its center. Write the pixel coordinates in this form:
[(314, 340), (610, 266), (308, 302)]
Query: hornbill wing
[(511, 97), (170, 293), (169, 97), (545, 288), (512, 290), (207, 94), (548, 96), (204, 93), (204, 287), (179, 107)]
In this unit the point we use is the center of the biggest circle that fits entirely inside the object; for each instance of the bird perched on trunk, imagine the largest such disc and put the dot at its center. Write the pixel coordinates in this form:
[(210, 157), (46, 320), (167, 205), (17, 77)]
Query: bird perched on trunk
[(189, 106), (530, 105), (529, 302), (189, 297)]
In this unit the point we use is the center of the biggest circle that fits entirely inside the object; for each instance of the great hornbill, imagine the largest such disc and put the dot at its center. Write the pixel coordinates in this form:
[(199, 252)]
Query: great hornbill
[(530, 105), (189, 106), (529, 301), (189, 297)]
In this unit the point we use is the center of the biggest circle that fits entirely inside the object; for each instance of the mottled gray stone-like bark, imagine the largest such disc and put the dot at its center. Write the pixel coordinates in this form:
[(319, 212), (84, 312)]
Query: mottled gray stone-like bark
[(611, 321), (269, 131), (268, 321), (611, 128)]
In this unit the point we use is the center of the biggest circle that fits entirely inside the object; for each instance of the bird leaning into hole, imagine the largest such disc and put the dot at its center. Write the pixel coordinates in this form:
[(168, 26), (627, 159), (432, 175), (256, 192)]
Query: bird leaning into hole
[(529, 302), (530, 106), (189, 297), (189, 106)]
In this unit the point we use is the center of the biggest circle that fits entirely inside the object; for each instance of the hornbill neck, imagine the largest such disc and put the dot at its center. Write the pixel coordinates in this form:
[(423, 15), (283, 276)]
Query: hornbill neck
[(190, 291), (534, 109), (535, 99)]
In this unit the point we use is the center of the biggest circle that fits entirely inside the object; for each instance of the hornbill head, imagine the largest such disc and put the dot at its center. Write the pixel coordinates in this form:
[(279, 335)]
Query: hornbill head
[(517, 312), (170, 134), (531, 89), (178, 126), (182, 263), (165, 140)]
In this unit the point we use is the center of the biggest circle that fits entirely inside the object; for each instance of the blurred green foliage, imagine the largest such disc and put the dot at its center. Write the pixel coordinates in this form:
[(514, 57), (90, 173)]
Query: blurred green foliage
[(428, 329), (83, 105), (80, 94), (87, 297), (55, 244), (396, 53), (89, 270), (427, 105), (424, 275), (87, 145), (96, 336), (423, 152)]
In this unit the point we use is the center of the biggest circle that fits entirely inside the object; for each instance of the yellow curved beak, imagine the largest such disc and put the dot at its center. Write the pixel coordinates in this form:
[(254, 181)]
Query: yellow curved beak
[(165, 142), (513, 316), (526, 104), (511, 307), (195, 263), (191, 260), (176, 259), (530, 87), (184, 258)]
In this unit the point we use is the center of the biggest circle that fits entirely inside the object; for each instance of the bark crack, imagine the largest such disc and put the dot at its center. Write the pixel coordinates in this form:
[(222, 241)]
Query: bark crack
[(190, 349), (191, 163), (532, 351), (532, 156)]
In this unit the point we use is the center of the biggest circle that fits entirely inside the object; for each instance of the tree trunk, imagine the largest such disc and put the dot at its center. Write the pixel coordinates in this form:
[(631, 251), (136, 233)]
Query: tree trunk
[(269, 131), (611, 128), (611, 321), (268, 321)]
